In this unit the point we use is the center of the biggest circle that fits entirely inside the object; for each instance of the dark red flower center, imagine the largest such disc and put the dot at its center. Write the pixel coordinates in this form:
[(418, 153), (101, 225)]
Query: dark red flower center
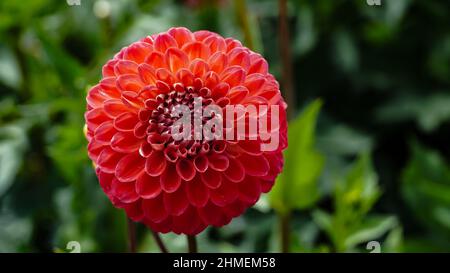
[(160, 116)]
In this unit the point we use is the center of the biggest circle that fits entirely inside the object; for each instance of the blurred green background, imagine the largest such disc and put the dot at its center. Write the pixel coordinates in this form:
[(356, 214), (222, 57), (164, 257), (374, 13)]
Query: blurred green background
[(368, 157)]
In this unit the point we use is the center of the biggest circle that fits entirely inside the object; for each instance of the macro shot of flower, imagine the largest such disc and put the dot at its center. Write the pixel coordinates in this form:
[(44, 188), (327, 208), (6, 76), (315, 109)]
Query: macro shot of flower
[(183, 185)]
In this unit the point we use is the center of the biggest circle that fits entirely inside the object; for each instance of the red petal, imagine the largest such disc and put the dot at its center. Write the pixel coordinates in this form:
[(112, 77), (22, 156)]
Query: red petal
[(114, 107), (218, 62), (155, 59), (94, 150), (134, 211), (197, 192), (95, 98), (225, 194), (201, 35), (171, 153), (211, 178), (254, 83), (176, 203), (235, 209), (185, 77), (240, 57), (201, 163), (165, 76), (235, 172), (232, 43), (182, 35), (126, 121), (163, 226), (164, 41), (104, 132), (145, 150), (211, 80), (212, 215), (105, 180), (215, 43), (219, 146), (266, 185), (147, 74), (137, 52), (140, 130), (258, 64), (176, 59), (221, 90), (250, 190), (218, 162), (155, 164), (108, 69), (129, 82), (151, 104), (154, 209), (130, 167), (125, 192), (109, 87), (108, 159), (237, 94), (125, 142), (157, 141), (185, 169), (188, 223), (163, 87), (147, 186), (199, 68), (125, 67), (196, 50), (233, 75), (132, 100), (251, 147), (170, 180), (255, 165), (95, 117)]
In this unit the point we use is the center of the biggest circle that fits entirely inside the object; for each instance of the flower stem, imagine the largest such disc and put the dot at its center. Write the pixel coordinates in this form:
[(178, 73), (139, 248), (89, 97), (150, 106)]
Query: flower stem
[(243, 20), (288, 87), (192, 243), (159, 242), (286, 57), (131, 236), (285, 220)]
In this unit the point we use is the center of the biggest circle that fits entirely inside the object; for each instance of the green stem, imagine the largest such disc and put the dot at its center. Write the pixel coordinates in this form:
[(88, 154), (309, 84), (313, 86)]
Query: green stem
[(192, 243), (286, 57), (159, 242), (243, 20), (131, 236), (285, 221)]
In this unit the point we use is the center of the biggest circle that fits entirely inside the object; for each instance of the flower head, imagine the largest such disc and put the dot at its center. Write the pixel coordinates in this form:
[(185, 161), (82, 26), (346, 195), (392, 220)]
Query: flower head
[(185, 182)]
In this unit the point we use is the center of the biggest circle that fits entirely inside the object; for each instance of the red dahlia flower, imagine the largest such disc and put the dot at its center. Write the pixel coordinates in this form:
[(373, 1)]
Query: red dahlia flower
[(182, 185)]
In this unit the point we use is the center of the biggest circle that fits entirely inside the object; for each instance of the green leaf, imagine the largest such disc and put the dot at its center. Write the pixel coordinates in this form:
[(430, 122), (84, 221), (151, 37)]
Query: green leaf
[(12, 145), (344, 141), (296, 187), (426, 188), (307, 34), (14, 231), (324, 220), (372, 228), (346, 53), (394, 240), (354, 196), (428, 112), (9, 69), (359, 190)]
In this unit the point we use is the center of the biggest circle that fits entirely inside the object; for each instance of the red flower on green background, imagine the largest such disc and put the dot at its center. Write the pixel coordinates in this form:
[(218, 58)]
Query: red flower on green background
[(181, 186)]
